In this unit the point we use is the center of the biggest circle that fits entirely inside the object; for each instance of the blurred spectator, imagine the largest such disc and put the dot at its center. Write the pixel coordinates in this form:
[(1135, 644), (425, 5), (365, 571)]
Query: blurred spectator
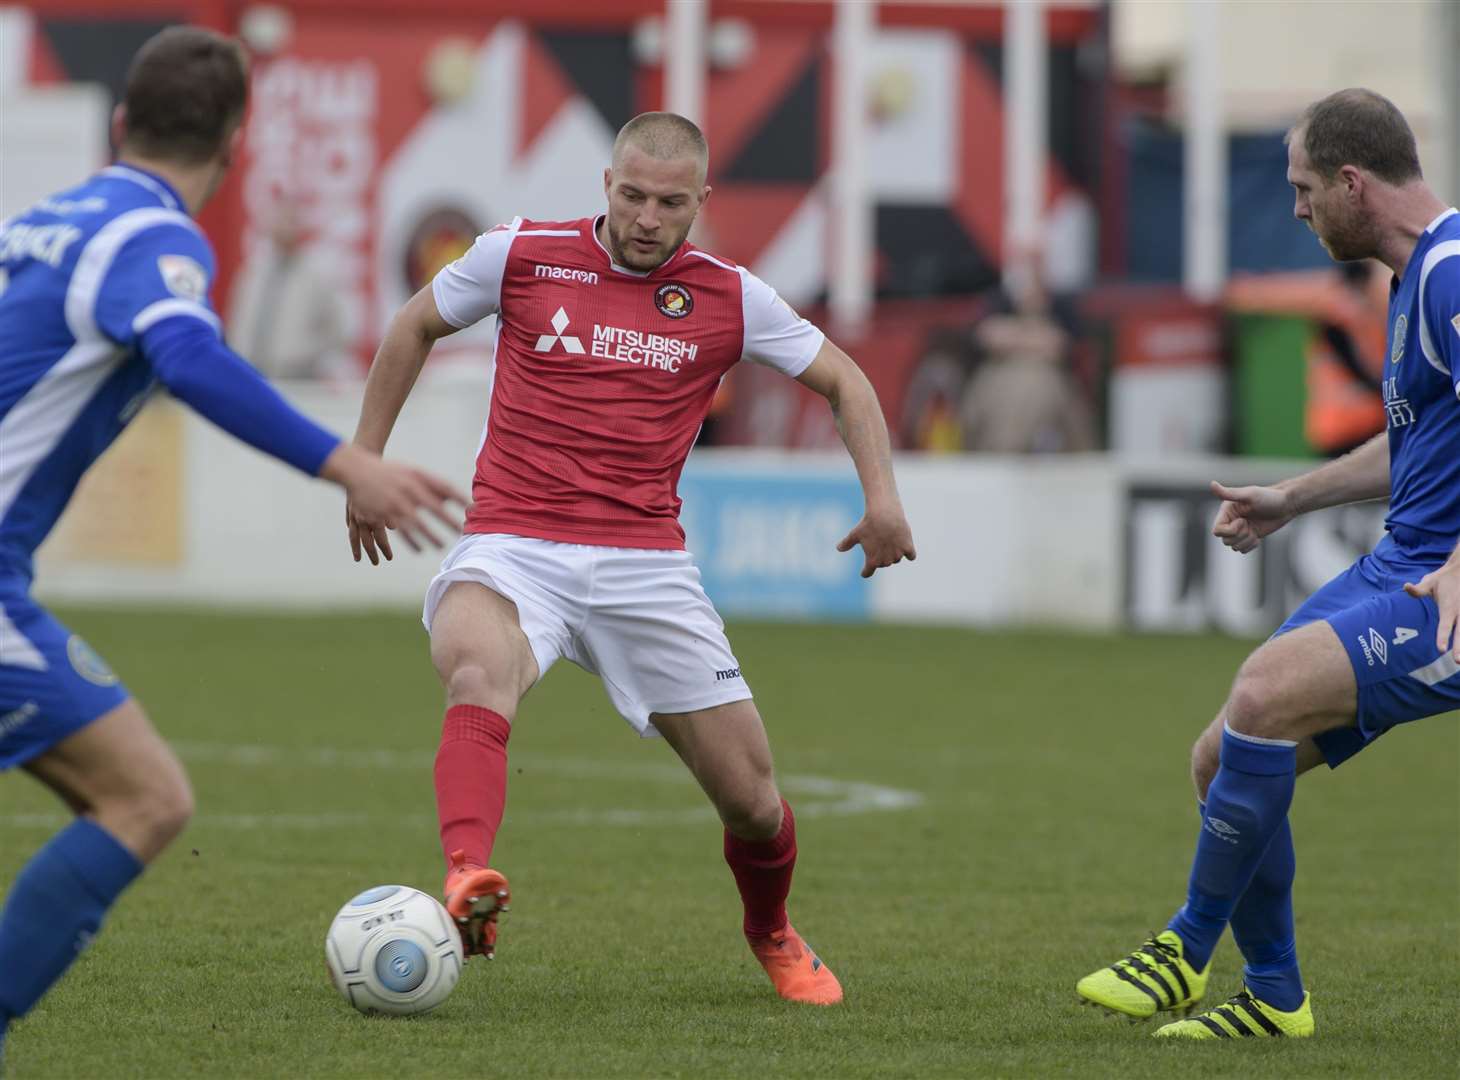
[(1348, 306), (284, 311), (930, 403), (1021, 397)]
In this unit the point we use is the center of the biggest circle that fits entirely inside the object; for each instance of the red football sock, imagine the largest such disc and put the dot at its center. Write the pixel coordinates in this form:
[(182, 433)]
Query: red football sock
[(471, 781), (762, 870)]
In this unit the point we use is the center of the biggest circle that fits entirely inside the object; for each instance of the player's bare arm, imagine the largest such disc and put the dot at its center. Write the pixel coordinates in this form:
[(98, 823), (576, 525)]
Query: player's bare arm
[(883, 532), (1248, 514), (398, 362)]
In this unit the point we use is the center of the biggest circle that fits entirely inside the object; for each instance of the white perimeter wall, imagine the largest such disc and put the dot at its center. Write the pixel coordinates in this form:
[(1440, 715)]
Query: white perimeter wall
[(1087, 541)]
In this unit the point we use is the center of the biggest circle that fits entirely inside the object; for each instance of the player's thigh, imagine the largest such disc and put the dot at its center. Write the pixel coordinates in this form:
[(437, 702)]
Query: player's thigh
[(1402, 674), (1294, 686), (726, 749), (479, 649), (655, 639), (120, 771)]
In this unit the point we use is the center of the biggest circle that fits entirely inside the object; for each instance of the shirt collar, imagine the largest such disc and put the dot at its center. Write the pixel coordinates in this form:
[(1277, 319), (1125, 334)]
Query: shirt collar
[(149, 180), (1432, 226)]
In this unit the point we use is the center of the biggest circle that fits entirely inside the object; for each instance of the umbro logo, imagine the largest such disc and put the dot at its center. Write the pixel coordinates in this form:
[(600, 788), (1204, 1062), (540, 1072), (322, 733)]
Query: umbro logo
[(1379, 644), (571, 344), (1221, 830)]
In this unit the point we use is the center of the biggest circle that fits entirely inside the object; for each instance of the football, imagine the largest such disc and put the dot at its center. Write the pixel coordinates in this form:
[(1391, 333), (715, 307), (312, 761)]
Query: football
[(393, 949)]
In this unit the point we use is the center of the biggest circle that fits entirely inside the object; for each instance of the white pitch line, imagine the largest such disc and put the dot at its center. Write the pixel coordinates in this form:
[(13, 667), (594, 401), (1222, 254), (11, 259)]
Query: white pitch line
[(820, 796)]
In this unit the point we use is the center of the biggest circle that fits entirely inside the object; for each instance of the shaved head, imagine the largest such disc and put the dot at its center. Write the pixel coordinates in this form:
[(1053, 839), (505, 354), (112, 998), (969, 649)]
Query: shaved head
[(663, 136)]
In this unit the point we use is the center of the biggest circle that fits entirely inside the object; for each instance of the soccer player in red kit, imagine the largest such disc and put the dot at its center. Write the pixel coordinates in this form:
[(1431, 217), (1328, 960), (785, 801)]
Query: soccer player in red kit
[(612, 335)]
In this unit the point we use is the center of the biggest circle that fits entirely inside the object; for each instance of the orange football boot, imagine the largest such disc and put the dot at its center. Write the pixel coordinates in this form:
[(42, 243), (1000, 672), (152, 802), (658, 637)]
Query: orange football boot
[(474, 897), (796, 972)]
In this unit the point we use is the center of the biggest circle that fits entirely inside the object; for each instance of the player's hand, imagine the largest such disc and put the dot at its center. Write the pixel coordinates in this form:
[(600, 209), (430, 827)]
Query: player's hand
[(1442, 586), (886, 538), (1248, 514), (382, 495)]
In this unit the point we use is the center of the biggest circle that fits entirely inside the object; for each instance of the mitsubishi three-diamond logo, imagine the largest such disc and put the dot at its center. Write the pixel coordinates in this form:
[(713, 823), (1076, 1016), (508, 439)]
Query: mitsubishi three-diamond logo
[(570, 344)]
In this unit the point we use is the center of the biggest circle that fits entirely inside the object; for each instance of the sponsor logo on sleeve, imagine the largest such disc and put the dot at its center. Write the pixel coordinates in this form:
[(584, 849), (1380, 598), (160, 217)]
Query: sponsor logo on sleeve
[(183, 276), (674, 300)]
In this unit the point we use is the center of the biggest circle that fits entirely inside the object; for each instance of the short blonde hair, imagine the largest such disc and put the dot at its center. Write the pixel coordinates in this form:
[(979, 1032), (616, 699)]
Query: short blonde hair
[(665, 136)]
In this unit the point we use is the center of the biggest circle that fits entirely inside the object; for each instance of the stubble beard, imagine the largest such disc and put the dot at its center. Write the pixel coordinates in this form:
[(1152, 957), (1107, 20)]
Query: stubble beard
[(1350, 240), (625, 255)]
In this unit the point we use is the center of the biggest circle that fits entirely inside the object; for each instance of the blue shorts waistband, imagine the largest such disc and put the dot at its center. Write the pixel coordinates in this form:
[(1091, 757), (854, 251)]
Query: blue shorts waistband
[(1421, 542)]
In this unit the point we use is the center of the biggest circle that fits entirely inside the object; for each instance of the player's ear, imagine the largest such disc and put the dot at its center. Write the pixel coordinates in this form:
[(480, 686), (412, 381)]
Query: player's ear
[(119, 126), (1353, 180), (233, 144), (607, 180), (705, 194)]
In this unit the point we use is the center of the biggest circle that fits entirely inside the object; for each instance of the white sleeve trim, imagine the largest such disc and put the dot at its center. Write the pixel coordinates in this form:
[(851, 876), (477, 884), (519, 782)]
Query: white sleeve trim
[(1436, 255), (153, 314), (469, 289), (710, 258), (774, 334), (96, 260)]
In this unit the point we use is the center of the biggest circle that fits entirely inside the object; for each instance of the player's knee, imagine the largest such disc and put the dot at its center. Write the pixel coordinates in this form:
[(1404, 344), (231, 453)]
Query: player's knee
[(153, 811), (169, 806), (754, 818), (471, 682), (1255, 705)]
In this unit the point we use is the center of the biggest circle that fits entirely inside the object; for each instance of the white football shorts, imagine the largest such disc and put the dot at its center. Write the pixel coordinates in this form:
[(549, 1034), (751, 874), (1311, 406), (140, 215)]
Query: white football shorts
[(637, 618)]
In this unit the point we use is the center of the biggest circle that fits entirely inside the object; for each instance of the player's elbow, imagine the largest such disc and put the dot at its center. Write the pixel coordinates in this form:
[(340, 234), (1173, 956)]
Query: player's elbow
[(851, 392)]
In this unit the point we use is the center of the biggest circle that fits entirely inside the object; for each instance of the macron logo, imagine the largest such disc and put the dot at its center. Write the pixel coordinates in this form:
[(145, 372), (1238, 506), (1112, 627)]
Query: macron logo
[(562, 273), (571, 344)]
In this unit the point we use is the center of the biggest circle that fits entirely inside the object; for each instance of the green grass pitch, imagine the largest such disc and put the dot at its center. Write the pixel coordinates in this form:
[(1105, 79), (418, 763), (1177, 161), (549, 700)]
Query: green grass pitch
[(1053, 829)]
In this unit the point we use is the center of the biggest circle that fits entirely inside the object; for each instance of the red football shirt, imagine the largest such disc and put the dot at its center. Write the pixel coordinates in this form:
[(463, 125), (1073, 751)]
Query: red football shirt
[(603, 376)]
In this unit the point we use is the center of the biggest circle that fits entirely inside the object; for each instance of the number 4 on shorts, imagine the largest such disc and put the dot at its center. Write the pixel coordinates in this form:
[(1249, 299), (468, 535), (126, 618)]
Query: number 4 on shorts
[(1403, 634)]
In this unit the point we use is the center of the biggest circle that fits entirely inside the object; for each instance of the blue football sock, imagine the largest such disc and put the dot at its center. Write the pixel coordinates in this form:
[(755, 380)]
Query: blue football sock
[(1246, 805), (55, 907), (1262, 924)]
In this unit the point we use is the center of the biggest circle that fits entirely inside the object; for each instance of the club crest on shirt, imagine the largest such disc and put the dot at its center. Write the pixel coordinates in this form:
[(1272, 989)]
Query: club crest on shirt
[(1455, 322), (674, 300), (1401, 331), (183, 276)]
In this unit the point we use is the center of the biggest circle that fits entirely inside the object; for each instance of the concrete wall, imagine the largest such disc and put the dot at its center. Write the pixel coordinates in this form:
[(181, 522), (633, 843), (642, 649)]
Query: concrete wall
[(179, 513)]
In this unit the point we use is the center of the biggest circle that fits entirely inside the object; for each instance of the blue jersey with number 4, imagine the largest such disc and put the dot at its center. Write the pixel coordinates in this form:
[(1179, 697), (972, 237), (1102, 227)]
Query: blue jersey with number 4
[(1422, 393)]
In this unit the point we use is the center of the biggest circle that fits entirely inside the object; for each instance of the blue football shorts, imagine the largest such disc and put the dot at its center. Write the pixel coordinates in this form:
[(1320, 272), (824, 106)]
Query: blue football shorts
[(1390, 640), (52, 683)]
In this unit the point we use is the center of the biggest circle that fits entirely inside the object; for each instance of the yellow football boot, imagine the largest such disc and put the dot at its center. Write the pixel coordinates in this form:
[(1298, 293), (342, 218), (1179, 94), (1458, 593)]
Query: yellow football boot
[(1244, 1016), (1155, 978)]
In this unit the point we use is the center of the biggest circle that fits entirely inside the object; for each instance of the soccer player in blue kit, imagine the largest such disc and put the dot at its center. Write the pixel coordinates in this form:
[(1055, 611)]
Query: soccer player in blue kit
[(1373, 648), (103, 295)]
